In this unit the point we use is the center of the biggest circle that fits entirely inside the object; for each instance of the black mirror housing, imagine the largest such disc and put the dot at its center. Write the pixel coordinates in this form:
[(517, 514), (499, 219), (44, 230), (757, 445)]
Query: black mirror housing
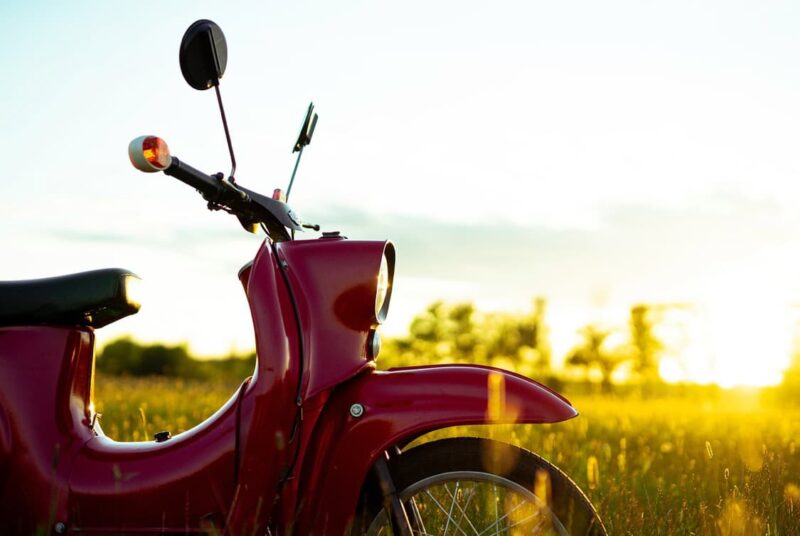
[(307, 129), (203, 54)]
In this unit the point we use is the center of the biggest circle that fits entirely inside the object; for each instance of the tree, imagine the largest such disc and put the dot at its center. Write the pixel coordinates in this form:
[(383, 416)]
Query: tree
[(455, 333), (540, 334), (122, 356), (646, 346), (443, 333), (159, 359), (591, 353)]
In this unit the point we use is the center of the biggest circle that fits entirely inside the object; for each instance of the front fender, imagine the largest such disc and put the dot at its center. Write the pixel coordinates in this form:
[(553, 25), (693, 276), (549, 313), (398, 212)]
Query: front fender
[(401, 404)]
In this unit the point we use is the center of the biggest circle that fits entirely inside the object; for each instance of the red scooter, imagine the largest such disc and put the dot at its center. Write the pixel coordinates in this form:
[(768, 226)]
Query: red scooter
[(315, 442)]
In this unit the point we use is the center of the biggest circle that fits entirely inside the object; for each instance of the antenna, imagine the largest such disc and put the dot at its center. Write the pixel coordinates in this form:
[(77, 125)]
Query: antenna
[(306, 132)]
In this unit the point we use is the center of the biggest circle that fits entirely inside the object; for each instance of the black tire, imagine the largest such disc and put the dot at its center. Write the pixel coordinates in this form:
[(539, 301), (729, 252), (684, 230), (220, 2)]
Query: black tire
[(482, 462)]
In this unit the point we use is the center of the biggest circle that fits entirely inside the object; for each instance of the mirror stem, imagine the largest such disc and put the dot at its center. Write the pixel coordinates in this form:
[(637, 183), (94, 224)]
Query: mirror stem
[(227, 133), (291, 181)]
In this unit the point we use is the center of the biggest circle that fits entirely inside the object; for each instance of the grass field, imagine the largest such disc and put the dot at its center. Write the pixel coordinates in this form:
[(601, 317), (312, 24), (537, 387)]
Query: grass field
[(671, 465)]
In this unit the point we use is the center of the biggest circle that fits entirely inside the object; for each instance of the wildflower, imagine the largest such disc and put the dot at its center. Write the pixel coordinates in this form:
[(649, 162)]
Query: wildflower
[(592, 472), (792, 495), (542, 487)]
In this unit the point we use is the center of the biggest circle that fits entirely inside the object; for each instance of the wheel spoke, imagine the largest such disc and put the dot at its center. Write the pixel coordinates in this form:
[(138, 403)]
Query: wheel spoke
[(452, 505), (496, 514), (502, 518), (417, 516), (463, 509), (457, 524), (461, 503)]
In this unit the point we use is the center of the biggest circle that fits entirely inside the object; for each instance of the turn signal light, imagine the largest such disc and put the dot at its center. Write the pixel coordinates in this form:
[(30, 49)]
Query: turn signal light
[(149, 154)]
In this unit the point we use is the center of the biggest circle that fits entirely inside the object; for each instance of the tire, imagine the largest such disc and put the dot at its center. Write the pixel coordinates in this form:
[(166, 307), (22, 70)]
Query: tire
[(517, 493)]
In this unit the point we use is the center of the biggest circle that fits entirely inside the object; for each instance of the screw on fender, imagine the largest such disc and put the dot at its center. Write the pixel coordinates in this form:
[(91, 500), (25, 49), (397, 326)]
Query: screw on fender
[(356, 410)]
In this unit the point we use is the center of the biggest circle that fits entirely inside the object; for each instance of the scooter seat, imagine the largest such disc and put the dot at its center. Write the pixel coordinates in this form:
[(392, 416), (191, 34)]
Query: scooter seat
[(93, 299)]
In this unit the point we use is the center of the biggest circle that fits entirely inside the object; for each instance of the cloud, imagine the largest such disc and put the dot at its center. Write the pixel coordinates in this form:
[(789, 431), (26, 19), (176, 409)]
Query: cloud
[(636, 252)]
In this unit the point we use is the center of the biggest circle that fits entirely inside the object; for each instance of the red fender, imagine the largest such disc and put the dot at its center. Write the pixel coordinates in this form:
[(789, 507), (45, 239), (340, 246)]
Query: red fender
[(398, 405)]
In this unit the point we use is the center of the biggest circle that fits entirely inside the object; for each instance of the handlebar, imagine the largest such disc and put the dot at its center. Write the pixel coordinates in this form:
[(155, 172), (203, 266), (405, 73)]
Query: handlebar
[(150, 154), (207, 185), (249, 206)]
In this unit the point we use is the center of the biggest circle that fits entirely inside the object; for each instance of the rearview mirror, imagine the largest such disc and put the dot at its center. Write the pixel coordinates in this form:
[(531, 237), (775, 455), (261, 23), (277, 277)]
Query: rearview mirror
[(307, 130), (203, 54)]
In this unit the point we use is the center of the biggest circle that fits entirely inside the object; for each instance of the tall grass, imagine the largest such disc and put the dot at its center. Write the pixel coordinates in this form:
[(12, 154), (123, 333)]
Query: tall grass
[(667, 465), (677, 466), (134, 409)]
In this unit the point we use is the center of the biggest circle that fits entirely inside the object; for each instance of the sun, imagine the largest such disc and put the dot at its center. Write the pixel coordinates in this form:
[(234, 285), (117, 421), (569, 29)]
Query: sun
[(750, 340), (740, 334), (750, 332)]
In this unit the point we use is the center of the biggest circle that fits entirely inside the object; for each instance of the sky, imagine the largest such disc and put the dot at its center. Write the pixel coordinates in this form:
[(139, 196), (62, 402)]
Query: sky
[(597, 154)]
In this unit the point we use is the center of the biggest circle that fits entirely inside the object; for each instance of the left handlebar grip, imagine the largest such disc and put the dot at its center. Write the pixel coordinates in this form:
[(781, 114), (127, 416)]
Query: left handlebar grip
[(151, 154), (204, 183)]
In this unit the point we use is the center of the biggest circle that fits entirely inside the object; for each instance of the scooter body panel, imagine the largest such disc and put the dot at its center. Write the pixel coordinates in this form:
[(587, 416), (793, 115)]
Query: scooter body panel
[(334, 283), (267, 441), (223, 473), (56, 467), (44, 406), (181, 484), (398, 405)]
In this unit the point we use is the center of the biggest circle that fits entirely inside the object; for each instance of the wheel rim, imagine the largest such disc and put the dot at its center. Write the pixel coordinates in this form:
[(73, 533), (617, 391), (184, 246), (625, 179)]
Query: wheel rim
[(471, 503)]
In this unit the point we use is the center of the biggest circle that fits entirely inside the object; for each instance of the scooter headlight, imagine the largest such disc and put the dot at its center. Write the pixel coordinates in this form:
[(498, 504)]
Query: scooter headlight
[(383, 290)]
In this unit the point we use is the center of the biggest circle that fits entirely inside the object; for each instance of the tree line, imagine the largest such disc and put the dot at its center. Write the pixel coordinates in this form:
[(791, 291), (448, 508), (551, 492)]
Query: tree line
[(458, 333), (126, 356), (443, 333)]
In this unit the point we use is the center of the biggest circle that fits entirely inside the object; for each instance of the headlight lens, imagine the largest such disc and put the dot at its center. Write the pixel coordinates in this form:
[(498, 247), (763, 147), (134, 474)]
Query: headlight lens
[(382, 289)]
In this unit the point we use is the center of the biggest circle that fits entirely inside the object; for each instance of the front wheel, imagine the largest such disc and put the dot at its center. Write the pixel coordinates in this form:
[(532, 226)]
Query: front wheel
[(477, 487)]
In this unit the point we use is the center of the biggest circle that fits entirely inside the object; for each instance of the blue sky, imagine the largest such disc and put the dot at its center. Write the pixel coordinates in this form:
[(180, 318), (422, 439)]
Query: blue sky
[(597, 154)]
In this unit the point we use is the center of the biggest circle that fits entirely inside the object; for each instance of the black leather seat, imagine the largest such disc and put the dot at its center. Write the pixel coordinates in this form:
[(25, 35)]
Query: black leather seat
[(94, 299)]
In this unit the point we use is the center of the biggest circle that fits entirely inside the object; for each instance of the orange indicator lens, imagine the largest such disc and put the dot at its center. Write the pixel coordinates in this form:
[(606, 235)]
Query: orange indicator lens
[(156, 152)]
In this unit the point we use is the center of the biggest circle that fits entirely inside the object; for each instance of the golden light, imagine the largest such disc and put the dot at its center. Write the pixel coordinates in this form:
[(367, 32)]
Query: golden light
[(739, 334), (496, 399), (750, 338), (671, 370)]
